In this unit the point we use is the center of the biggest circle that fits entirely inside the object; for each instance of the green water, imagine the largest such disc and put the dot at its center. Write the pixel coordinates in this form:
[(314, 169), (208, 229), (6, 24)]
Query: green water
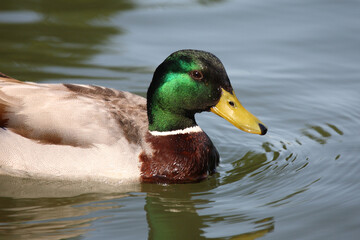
[(294, 64)]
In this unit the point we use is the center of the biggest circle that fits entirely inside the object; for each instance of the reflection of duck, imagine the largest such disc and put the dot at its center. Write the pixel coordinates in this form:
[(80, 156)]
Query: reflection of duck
[(181, 211), (33, 208), (78, 131)]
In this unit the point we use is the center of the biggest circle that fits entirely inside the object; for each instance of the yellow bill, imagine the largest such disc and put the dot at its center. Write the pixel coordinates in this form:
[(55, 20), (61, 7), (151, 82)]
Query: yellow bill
[(231, 109)]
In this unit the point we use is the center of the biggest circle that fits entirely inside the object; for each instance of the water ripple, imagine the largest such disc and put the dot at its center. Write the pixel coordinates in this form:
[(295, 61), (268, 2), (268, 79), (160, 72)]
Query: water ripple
[(285, 165)]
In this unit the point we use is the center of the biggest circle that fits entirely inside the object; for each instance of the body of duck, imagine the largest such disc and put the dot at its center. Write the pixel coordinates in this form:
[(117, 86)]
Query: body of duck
[(70, 131)]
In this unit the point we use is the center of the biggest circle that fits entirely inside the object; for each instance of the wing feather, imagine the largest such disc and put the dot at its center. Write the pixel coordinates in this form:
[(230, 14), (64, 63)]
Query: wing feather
[(70, 114)]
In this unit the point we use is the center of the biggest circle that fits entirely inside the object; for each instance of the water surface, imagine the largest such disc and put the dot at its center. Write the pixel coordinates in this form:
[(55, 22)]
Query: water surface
[(294, 64)]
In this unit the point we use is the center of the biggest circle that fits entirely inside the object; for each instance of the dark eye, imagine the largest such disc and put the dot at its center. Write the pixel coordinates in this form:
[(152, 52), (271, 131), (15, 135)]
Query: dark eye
[(196, 75)]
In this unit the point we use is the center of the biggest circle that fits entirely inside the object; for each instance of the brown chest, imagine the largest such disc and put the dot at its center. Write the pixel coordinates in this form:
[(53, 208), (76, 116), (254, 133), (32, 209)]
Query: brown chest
[(178, 158)]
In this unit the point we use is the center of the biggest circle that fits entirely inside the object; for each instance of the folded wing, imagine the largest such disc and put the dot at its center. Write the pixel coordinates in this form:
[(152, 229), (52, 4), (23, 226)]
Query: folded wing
[(70, 114)]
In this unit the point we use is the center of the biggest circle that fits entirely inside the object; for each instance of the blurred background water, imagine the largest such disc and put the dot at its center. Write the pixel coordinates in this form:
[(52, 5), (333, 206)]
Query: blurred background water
[(294, 64)]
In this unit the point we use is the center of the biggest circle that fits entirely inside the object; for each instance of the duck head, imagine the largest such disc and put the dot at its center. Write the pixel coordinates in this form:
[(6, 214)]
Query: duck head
[(193, 81)]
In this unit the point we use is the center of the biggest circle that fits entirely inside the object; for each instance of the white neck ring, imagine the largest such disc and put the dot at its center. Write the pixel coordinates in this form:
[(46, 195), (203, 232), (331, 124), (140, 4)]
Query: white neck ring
[(188, 130)]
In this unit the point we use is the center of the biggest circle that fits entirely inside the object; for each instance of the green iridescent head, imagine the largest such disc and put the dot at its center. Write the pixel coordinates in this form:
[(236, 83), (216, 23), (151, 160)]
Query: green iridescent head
[(187, 82)]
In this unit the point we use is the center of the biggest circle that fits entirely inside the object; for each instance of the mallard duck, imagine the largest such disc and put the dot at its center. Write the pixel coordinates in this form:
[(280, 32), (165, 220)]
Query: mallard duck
[(72, 131)]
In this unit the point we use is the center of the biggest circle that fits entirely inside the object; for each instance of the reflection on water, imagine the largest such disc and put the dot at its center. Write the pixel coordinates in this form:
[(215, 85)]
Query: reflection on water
[(249, 163), (60, 38), (285, 163), (173, 213), (166, 211), (321, 134), (44, 209), (51, 218)]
